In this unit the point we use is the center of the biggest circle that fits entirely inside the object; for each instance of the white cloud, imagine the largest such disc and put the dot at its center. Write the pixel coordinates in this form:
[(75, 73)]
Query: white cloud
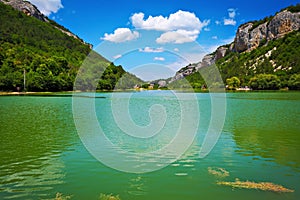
[(206, 29), (159, 58), (229, 22), (121, 35), (176, 49), (117, 56), (47, 7), (152, 50), (177, 37), (181, 26), (214, 37), (179, 20), (231, 12)]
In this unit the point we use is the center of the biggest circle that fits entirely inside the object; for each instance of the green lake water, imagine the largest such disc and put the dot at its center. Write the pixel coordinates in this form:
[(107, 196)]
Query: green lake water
[(42, 154)]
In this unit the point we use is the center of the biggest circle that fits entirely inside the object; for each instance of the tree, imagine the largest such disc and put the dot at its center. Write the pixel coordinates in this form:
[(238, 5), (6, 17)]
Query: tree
[(233, 83), (294, 82), (265, 82)]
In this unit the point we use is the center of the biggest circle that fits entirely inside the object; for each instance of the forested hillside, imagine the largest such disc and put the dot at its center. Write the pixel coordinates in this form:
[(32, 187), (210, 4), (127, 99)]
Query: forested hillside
[(49, 57)]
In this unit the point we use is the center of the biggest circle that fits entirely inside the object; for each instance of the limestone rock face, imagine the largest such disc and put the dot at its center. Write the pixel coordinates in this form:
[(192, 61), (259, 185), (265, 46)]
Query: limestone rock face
[(207, 60), (241, 41), (248, 38), (26, 7), (283, 23), (220, 53)]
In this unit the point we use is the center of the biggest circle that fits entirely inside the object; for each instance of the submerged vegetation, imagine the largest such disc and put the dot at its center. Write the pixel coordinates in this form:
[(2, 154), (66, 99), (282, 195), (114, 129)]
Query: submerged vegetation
[(60, 196), (265, 186), (109, 197), (218, 172)]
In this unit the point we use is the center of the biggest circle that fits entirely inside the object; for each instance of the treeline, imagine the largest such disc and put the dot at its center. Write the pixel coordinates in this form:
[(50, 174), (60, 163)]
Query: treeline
[(49, 58), (265, 82)]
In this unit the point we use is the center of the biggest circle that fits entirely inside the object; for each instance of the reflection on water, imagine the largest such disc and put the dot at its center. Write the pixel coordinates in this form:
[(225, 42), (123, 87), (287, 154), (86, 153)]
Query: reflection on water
[(267, 126), (41, 153), (34, 133)]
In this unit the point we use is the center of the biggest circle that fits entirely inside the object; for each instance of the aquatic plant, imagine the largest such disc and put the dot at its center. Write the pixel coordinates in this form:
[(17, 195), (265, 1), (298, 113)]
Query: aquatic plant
[(265, 186), (59, 196), (219, 172), (109, 197)]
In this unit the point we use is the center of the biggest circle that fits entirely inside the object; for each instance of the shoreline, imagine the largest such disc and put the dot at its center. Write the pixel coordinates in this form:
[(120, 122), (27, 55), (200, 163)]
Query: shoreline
[(106, 91)]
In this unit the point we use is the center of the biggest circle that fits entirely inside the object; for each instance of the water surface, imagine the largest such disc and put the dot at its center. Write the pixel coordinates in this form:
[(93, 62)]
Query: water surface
[(41, 153)]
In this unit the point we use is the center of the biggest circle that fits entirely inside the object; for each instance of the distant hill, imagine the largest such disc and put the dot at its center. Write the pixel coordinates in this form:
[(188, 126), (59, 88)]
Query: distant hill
[(265, 54), (49, 53)]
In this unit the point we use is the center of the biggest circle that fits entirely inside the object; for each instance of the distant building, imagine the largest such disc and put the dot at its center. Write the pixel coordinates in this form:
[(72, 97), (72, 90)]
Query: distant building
[(151, 86)]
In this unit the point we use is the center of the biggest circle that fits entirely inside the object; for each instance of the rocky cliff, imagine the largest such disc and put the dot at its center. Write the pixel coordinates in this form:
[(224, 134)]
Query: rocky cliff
[(207, 60), (26, 7), (249, 36), (31, 10)]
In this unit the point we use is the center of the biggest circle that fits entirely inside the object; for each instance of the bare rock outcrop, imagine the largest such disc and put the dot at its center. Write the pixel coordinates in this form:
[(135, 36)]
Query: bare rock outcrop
[(249, 37), (26, 7)]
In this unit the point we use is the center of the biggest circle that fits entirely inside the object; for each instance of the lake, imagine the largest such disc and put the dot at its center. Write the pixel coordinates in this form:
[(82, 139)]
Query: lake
[(42, 153)]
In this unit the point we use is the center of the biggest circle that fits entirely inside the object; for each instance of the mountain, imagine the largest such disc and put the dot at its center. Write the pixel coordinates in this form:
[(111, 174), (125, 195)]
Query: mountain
[(49, 54), (265, 54)]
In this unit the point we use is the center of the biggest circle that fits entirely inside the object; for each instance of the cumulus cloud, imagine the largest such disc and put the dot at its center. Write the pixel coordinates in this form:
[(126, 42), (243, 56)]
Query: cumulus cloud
[(214, 37), (229, 22), (152, 50), (175, 37), (121, 35), (176, 49), (231, 14), (47, 7), (159, 58), (179, 27)]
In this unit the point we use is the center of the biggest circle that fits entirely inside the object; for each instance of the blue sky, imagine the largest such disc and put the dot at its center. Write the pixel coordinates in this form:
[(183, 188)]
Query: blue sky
[(154, 38)]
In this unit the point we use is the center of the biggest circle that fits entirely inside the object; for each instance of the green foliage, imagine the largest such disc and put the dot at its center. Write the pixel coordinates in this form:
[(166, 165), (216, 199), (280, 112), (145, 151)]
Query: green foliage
[(265, 82), (50, 58), (294, 82), (284, 55), (233, 83), (293, 9), (259, 22)]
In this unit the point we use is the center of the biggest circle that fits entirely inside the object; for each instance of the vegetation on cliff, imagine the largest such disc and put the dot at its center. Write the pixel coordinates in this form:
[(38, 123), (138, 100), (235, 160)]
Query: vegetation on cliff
[(273, 64)]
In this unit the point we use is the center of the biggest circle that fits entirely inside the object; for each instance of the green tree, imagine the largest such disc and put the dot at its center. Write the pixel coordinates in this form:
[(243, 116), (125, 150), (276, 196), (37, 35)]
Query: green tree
[(233, 83), (265, 82), (294, 82)]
